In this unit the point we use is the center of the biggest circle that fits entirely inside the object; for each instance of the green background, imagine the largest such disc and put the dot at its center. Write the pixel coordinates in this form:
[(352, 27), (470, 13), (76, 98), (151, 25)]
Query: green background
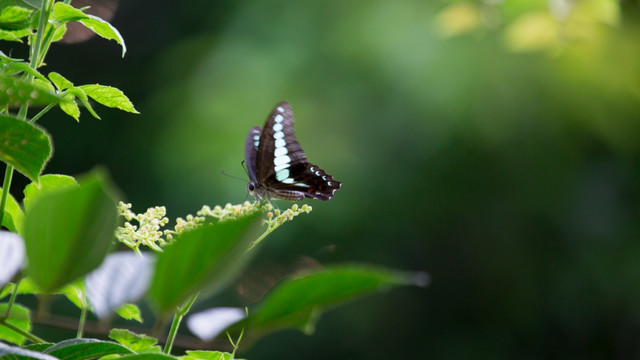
[(500, 153)]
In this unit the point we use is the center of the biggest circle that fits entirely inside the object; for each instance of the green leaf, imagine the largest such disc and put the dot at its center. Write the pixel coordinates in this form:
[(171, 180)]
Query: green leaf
[(60, 81), (70, 107), (24, 146), (18, 317), (138, 343), (47, 184), (14, 35), (81, 349), (38, 347), (15, 18), (206, 355), (16, 67), (15, 219), (15, 91), (80, 94), (109, 96), (202, 260), (69, 232), (298, 302), (13, 352), (65, 13), (73, 292), (147, 356), (130, 312)]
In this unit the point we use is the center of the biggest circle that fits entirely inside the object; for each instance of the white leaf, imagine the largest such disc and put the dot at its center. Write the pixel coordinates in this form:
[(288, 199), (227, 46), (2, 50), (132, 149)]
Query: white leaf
[(123, 277), (209, 323), (11, 255)]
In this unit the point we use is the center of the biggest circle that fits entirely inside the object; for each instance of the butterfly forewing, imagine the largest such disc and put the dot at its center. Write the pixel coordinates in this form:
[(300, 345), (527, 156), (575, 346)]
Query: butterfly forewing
[(251, 151)]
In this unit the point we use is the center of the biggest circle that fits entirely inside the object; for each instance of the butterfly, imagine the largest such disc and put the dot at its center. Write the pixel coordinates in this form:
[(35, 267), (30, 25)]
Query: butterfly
[(277, 166)]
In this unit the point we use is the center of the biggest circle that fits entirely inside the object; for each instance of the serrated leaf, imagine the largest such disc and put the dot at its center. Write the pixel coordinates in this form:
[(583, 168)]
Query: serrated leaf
[(16, 67), (11, 255), (13, 217), (19, 317), (60, 81), (205, 260), (123, 277), (24, 146), (47, 183), (138, 343), (130, 312), (70, 107), (82, 349), (14, 352), (206, 355), (15, 18), (207, 324), (109, 96), (80, 94), (69, 232), (15, 92), (65, 13), (298, 302)]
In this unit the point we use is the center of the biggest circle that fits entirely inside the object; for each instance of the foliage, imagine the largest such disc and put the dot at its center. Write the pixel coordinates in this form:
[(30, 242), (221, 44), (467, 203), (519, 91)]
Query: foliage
[(63, 231)]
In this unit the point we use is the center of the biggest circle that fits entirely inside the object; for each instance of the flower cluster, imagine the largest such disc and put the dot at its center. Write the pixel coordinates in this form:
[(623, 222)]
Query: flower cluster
[(148, 231)]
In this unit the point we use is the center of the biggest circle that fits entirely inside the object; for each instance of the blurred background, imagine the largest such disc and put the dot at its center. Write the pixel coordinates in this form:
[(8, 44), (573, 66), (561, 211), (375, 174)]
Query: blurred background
[(494, 144)]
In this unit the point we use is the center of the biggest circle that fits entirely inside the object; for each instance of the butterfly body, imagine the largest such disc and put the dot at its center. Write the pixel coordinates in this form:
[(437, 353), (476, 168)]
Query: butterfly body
[(277, 166)]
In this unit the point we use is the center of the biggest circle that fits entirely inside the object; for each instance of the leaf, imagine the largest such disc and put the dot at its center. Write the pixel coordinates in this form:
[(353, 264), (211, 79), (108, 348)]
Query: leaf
[(123, 277), (15, 67), (60, 81), (13, 352), (147, 356), (13, 216), (47, 183), (15, 18), (69, 232), (18, 317), (70, 107), (15, 92), (38, 347), (81, 349), (14, 35), (73, 292), (11, 255), (138, 343), (207, 324), (206, 355), (80, 94), (202, 260), (24, 146), (109, 96), (297, 302), (130, 312), (65, 13)]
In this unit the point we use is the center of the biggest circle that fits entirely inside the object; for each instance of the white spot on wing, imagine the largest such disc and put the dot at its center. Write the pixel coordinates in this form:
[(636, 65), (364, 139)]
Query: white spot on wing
[(280, 143), (281, 160), (278, 135), (278, 118), (288, 181), (282, 174), (280, 151), (280, 167), (280, 109), (277, 127)]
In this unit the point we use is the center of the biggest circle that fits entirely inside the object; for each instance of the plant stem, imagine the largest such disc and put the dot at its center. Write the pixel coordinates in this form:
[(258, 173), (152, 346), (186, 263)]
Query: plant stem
[(42, 112), (261, 237), (8, 174), (26, 334), (177, 318), (12, 300), (83, 315)]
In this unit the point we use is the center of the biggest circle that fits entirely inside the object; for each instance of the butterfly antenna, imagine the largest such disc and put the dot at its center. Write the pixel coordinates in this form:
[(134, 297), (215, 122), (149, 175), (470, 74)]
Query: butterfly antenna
[(233, 177), (244, 166)]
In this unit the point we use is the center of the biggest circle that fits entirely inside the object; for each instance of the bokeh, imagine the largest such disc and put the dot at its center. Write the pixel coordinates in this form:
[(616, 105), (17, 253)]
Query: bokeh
[(494, 144)]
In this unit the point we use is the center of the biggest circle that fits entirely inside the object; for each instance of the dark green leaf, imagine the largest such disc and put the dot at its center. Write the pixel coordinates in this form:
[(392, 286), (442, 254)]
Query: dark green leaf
[(297, 303), (38, 347), (138, 343), (16, 353), (24, 146), (82, 349), (15, 92), (68, 232), (109, 96), (204, 259), (18, 317), (47, 183)]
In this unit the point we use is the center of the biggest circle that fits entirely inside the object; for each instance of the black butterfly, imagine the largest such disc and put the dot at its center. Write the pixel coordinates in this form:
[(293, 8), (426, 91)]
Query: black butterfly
[(277, 166)]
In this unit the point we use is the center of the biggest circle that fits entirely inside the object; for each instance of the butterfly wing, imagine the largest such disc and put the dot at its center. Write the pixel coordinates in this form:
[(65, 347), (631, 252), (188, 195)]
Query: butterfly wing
[(282, 167), (251, 151)]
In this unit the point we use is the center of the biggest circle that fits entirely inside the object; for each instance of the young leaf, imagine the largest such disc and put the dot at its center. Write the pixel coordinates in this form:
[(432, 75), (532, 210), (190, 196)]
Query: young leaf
[(68, 232), (297, 303), (207, 324), (47, 183), (204, 259), (123, 277), (138, 343), (109, 96), (70, 107), (80, 94), (130, 312), (81, 349), (16, 91), (15, 18), (60, 81), (15, 67), (13, 216), (14, 352), (18, 317), (206, 355), (24, 146), (11, 255)]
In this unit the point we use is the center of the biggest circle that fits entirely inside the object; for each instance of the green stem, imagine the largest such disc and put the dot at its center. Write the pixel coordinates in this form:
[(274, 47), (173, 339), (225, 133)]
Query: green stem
[(12, 300), (8, 174), (42, 112), (261, 237), (177, 318), (83, 315), (24, 333)]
